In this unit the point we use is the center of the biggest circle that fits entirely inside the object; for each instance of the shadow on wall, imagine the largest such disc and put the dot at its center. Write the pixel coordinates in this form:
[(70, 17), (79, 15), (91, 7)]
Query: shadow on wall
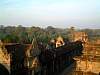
[(3, 70)]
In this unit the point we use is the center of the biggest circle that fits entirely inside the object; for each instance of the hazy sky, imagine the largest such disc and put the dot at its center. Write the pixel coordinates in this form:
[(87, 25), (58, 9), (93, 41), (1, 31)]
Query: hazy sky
[(57, 13)]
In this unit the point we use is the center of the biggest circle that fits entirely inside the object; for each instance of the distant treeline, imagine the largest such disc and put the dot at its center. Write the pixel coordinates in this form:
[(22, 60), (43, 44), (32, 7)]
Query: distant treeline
[(22, 34)]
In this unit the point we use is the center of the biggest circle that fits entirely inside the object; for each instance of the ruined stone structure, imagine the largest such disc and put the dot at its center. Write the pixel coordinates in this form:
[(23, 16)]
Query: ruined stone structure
[(30, 59), (4, 60)]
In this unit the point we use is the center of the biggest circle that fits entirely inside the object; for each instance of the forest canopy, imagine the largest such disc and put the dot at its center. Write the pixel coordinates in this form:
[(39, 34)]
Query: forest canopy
[(20, 34)]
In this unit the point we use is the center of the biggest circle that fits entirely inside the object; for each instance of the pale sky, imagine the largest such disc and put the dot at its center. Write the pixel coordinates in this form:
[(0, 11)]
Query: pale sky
[(57, 13)]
